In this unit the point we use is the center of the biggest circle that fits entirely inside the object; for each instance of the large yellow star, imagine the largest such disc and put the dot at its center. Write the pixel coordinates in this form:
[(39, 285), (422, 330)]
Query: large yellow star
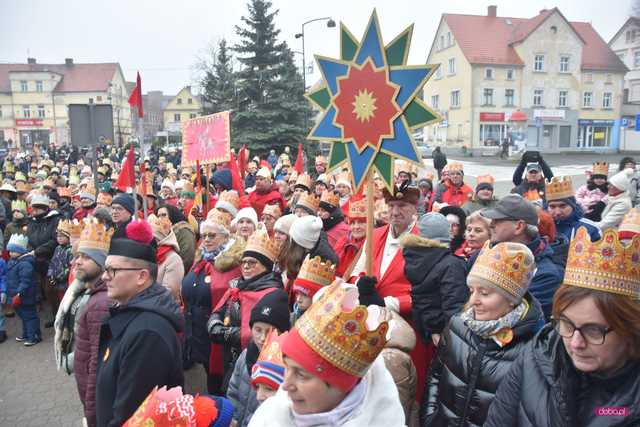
[(364, 105)]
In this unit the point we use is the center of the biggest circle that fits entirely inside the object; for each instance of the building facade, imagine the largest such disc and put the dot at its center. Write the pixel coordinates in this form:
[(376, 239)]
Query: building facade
[(626, 44), (34, 100), (543, 83), (182, 107)]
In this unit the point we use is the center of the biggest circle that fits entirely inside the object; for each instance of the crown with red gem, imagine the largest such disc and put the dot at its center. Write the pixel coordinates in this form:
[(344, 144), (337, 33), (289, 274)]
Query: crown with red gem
[(559, 188), (605, 265), (314, 274)]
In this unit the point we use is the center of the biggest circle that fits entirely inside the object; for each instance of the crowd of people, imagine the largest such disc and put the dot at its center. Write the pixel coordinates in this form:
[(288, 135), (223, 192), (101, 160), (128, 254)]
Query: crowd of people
[(244, 285)]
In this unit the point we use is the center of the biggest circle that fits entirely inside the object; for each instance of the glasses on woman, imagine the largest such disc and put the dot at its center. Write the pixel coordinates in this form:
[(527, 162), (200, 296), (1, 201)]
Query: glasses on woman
[(593, 334), (206, 236), (250, 263)]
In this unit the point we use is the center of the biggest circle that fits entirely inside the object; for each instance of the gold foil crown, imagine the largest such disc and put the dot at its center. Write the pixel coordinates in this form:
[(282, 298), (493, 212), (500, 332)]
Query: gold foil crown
[(559, 188), (606, 265), (335, 327), (223, 219), (330, 198), (485, 179), (316, 271), (272, 210), (260, 242), (304, 180), (455, 167), (309, 200), (95, 236), (76, 229), (358, 208), (600, 168), (64, 227)]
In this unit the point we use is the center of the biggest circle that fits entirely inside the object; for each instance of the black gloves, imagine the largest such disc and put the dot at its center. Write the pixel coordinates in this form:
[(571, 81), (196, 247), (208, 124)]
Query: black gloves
[(368, 293), (220, 334)]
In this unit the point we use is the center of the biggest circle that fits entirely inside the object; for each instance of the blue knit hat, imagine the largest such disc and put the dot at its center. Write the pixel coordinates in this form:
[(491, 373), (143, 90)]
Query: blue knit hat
[(126, 201)]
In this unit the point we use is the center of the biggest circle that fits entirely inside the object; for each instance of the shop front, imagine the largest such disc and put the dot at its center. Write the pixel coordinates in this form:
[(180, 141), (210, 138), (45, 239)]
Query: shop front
[(550, 130), (493, 130), (32, 131), (595, 133)]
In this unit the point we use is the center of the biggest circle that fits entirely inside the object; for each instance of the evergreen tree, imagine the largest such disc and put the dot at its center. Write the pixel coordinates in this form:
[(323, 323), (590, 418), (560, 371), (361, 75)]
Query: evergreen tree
[(271, 106), (219, 82)]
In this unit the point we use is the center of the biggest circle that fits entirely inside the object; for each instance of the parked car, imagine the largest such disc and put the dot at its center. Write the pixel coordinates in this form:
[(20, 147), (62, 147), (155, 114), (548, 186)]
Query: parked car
[(426, 152)]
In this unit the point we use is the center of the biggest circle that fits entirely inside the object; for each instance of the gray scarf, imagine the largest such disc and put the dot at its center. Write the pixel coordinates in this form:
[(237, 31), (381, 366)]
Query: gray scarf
[(489, 328)]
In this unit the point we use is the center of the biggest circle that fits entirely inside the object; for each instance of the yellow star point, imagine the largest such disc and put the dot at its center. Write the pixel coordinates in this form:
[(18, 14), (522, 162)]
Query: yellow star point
[(364, 105)]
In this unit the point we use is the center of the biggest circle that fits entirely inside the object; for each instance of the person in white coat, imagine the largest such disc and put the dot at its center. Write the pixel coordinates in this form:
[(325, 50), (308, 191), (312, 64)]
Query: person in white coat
[(618, 200), (326, 383)]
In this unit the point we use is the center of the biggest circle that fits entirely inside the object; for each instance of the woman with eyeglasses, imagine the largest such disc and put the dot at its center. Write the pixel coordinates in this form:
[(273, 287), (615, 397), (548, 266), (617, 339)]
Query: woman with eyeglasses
[(583, 368), (202, 288), (229, 322)]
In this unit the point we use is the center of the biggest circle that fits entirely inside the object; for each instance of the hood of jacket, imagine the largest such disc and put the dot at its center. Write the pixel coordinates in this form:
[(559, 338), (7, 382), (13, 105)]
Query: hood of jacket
[(403, 336), (268, 279), (156, 299), (421, 255), (230, 258)]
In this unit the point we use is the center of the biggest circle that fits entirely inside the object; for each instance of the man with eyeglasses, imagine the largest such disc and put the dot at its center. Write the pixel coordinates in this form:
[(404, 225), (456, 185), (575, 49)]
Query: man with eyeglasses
[(122, 210), (139, 347)]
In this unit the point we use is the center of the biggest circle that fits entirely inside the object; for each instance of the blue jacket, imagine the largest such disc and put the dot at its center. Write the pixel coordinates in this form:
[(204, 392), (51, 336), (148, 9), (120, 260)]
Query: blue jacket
[(21, 279), (548, 276), (568, 227), (3, 276)]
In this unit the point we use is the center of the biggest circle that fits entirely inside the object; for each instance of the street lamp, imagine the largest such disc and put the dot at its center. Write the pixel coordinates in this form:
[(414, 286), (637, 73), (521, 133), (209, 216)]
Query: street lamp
[(330, 24)]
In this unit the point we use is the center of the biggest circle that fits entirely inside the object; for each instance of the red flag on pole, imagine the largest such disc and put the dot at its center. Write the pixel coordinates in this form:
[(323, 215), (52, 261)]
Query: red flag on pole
[(236, 180), (135, 100), (127, 177), (242, 161), (298, 166)]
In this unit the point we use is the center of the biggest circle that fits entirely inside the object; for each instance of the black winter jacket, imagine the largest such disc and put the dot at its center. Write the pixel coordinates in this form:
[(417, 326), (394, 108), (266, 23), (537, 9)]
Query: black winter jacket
[(468, 369), (324, 250), (139, 349), (438, 283), (41, 232), (543, 389)]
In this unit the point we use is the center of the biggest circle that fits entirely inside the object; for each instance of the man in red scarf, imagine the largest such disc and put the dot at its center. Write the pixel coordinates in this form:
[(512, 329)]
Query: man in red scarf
[(265, 193)]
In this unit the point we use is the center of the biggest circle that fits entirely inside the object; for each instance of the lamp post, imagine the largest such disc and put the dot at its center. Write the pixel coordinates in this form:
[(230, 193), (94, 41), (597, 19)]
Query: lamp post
[(330, 24)]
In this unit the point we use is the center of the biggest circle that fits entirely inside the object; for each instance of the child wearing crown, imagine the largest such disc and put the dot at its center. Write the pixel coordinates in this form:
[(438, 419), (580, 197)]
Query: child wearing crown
[(58, 272), (590, 196)]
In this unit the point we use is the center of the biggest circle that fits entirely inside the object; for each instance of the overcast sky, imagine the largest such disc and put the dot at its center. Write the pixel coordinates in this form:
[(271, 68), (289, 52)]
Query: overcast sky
[(163, 38)]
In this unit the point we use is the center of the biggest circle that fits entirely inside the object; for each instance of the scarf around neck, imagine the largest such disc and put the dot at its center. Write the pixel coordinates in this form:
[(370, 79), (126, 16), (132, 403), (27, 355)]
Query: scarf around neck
[(499, 330)]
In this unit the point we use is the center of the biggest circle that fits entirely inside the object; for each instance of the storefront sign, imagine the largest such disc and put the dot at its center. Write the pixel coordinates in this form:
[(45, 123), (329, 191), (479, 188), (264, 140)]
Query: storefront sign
[(29, 122), (598, 135), (549, 114), (492, 117), (597, 122)]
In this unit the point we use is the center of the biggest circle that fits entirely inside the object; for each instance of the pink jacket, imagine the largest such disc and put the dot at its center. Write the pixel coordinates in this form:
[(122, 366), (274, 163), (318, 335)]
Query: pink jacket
[(587, 198)]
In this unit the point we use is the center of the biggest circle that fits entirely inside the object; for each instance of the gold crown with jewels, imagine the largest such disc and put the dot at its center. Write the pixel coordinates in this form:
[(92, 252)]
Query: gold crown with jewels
[(95, 235), (310, 201), (304, 180), (316, 271), (358, 208), (559, 188)]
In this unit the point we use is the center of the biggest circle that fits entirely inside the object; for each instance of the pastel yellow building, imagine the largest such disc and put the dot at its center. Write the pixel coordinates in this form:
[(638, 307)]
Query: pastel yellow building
[(542, 83), (182, 107), (34, 99)]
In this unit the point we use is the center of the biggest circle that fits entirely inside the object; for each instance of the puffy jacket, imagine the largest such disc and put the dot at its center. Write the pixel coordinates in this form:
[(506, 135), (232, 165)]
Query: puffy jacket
[(186, 242), (455, 195), (240, 391), (87, 341), (613, 214), (587, 198), (41, 232), (171, 269), (543, 389), (438, 283), (468, 370), (21, 279)]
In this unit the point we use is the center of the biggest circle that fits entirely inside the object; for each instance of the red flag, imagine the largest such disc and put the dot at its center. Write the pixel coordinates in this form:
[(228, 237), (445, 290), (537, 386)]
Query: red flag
[(298, 165), (127, 177), (242, 160), (236, 181), (135, 100)]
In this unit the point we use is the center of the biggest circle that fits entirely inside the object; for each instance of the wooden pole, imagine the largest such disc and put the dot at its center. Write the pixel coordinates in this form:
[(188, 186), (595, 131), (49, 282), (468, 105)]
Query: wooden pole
[(369, 240)]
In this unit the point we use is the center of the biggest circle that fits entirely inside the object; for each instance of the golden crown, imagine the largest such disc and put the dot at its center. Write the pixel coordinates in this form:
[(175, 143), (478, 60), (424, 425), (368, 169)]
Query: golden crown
[(272, 210), (64, 192), (600, 168), (304, 180), (76, 229), (605, 265), (485, 179), (404, 166), (219, 217), (95, 235), (559, 188), (335, 327), (309, 200), (358, 208), (330, 197), (316, 271), (231, 197), (64, 226), (343, 178), (631, 222), (260, 242), (455, 166)]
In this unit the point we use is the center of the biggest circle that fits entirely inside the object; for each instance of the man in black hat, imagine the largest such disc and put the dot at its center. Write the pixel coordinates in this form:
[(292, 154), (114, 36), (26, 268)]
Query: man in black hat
[(139, 347), (122, 210)]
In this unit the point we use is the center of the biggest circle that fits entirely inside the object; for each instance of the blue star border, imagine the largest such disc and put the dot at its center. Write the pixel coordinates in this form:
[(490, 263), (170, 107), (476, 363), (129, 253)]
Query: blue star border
[(409, 78)]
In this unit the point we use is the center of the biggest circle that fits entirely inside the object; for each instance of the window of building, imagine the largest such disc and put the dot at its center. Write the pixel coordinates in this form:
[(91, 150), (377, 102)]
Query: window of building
[(510, 73), (192, 115), (439, 73), (24, 87), (442, 46), (176, 117), (26, 111), (452, 65), (636, 59), (190, 101), (621, 56), (563, 96), (538, 95), (588, 78), (509, 97), (492, 134), (606, 99), (488, 73), (631, 35), (587, 98), (564, 64), (435, 100), (449, 39), (487, 97), (39, 86), (455, 99), (538, 63), (41, 111), (179, 101)]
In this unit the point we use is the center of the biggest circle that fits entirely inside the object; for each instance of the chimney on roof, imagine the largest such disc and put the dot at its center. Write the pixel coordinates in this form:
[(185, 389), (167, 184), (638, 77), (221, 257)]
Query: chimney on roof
[(492, 11), (31, 60), (68, 62)]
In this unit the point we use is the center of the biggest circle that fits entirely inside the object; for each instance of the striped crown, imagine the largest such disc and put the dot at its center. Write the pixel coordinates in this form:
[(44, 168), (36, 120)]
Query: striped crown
[(330, 197), (358, 208), (309, 200), (600, 168), (606, 265), (95, 236), (260, 242), (559, 188)]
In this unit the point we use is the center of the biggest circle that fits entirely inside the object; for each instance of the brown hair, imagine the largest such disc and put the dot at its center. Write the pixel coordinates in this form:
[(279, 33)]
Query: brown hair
[(621, 312)]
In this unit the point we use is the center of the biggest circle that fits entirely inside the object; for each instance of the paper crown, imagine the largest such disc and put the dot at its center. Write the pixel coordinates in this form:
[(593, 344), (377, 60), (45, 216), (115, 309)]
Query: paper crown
[(64, 227), (76, 230), (95, 236), (309, 201), (343, 179), (508, 266), (605, 265), (404, 166), (231, 197), (18, 205), (485, 179), (222, 218), (630, 225), (22, 187), (272, 210), (357, 208), (19, 177), (104, 199), (600, 168), (336, 330), (314, 274), (269, 368), (455, 167), (330, 197), (559, 188), (260, 242), (305, 181), (8, 167), (64, 192)]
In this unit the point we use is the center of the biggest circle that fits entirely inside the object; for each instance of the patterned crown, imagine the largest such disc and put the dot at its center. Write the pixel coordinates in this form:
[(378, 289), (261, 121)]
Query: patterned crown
[(605, 265), (231, 197), (485, 179), (330, 197), (335, 327), (64, 227), (559, 188), (317, 272), (600, 168), (269, 368), (260, 242), (272, 210), (95, 236), (310, 201), (18, 205), (630, 225), (222, 218), (358, 208)]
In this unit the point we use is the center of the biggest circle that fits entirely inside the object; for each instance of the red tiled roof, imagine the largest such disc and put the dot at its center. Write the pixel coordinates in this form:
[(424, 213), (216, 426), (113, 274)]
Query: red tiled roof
[(489, 40), (75, 78)]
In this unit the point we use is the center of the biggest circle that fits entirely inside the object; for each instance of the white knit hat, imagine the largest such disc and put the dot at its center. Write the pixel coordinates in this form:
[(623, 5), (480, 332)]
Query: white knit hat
[(248, 213), (622, 179), (283, 224), (305, 231), (167, 183)]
